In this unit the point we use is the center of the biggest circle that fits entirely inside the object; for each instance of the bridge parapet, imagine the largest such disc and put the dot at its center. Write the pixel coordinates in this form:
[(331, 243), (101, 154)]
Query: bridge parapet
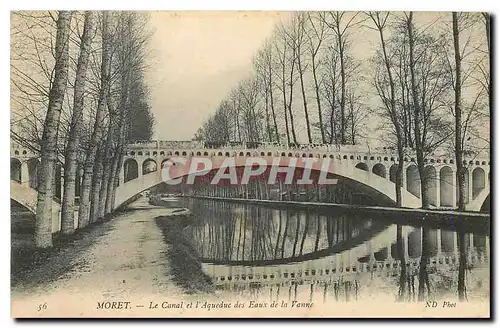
[(199, 148), (22, 152), (341, 152)]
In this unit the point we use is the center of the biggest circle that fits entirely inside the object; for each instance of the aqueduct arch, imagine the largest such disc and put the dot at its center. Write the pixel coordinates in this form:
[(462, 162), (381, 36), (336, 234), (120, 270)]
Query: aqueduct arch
[(362, 166), (393, 172), (33, 165), (413, 180), (431, 183), (130, 170), (15, 170), (446, 187), (366, 178), (149, 165), (478, 181), (380, 170)]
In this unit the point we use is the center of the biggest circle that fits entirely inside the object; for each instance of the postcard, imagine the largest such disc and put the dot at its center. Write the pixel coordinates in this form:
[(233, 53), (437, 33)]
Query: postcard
[(232, 164)]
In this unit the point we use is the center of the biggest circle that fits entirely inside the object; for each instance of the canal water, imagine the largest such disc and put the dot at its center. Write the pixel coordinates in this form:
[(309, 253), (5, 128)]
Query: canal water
[(340, 255)]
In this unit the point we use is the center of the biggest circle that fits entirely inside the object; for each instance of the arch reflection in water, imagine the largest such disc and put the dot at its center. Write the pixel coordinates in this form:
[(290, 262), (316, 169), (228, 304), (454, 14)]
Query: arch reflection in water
[(280, 254), (228, 233)]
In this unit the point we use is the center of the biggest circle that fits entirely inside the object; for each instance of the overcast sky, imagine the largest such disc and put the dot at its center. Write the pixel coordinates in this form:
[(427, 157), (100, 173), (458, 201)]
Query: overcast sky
[(197, 57)]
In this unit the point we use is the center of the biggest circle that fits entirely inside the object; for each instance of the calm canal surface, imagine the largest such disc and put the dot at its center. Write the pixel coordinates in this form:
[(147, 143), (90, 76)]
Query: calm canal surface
[(342, 255)]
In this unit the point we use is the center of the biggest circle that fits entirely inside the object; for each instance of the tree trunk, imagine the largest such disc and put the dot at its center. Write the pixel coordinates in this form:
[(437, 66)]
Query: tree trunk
[(106, 174), (283, 85), (342, 93), (401, 257), (458, 116), (304, 98), (285, 107), (333, 127), (423, 275), (114, 178), (83, 215), (399, 175), (268, 125), (238, 124), (48, 149), (115, 170), (462, 266), (318, 101), (419, 143), (353, 126), (117, 178), (118, 156), (290, 112), (96, 185), (70, 159), (272, 105), (487, 30), (395, 121)]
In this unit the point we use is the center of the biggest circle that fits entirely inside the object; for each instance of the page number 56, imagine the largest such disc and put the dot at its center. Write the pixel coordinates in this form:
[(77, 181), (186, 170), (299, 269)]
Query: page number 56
[(42, 307)]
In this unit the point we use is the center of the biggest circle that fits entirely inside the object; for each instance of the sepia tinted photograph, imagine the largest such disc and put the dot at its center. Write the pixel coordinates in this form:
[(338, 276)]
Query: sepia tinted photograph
[(250, 164)]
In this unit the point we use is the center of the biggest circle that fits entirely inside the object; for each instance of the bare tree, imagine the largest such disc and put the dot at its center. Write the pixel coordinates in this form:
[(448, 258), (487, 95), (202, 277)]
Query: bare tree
[(356, 116), (70, 160), (269, 65), (263, 63), (458, 116), (134, 120), (84, 210), (287, 59), (297, 40), (380, 21), (316, 34), (330, 80), (43, 223), (428, 83), (340, 24), (249, 90), (217, 128), (487, 23), (32, 50), (416, 105)]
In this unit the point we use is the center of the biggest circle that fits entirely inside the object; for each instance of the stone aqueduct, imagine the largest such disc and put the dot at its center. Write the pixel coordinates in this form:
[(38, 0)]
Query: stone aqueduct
[(375, 169)]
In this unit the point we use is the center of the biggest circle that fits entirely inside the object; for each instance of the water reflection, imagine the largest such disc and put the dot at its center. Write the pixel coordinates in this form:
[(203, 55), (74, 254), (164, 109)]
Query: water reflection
[(251, 235), (283, 254)]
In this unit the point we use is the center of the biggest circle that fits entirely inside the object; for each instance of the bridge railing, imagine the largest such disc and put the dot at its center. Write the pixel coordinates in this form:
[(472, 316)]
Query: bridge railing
[(439, 155), (194, 144)]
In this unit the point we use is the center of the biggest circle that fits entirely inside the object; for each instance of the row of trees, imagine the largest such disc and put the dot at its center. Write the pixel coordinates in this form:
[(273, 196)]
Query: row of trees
[(424, 85), (78, 95), (308, 53)]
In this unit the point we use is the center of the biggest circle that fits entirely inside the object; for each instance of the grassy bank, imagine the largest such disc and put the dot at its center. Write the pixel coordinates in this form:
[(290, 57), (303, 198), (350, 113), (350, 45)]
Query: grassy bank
[(182, 256), (25, 256), (26, 260)]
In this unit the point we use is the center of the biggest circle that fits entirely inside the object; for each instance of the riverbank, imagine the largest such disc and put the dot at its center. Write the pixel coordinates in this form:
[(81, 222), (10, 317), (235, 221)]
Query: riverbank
[(119, 259), (414, 215), (185, 265), (26, 260), (183, 258)]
